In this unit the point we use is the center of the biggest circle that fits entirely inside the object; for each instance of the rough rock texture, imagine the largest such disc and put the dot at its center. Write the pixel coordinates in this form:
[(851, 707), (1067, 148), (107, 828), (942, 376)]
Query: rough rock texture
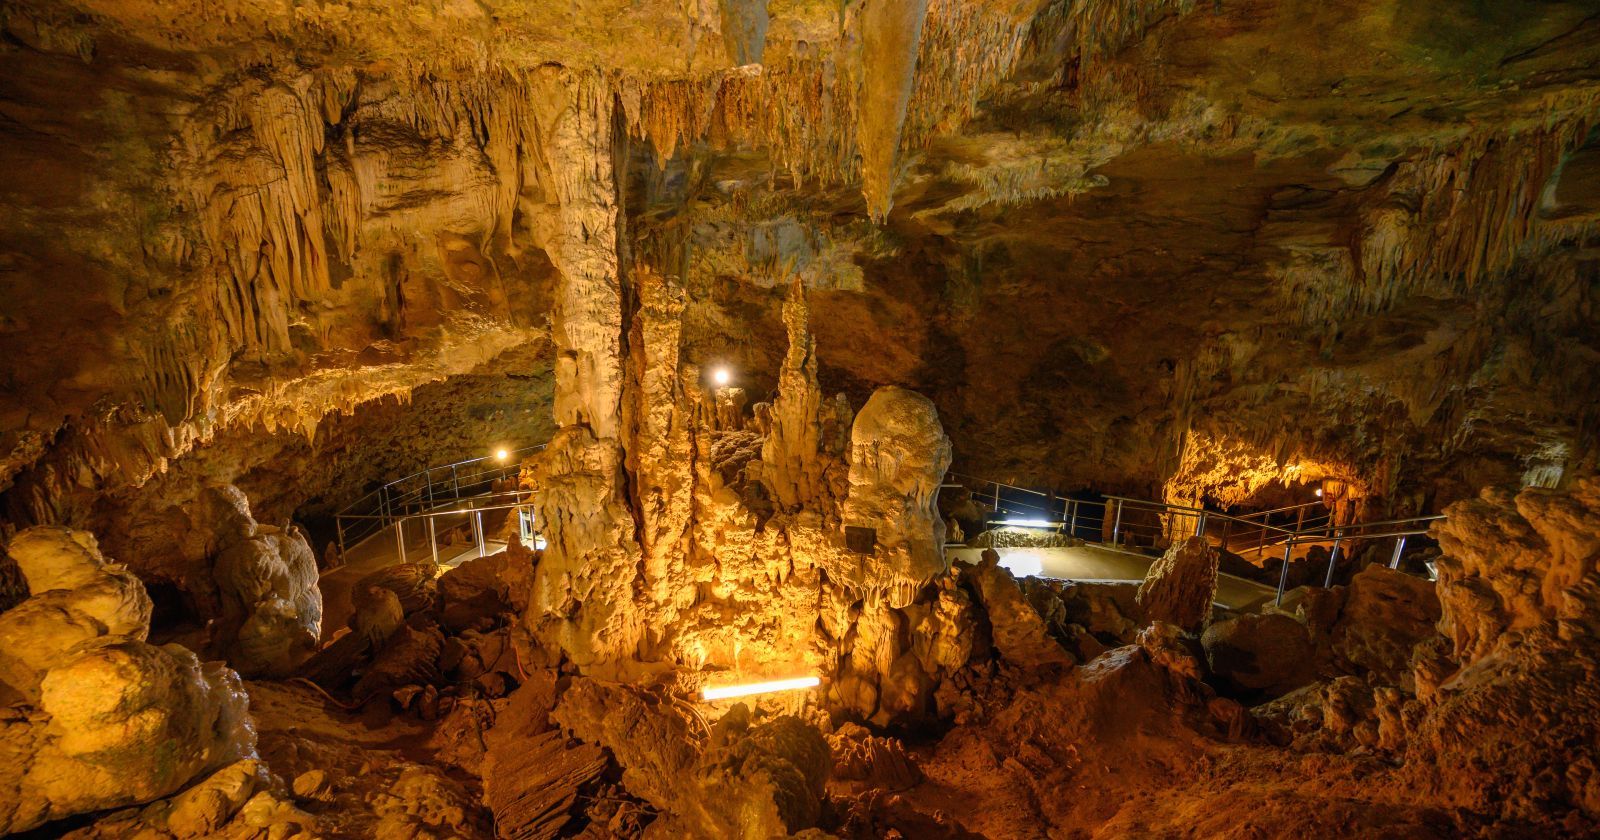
[(271, 602), (1521, 608), (1260, 655), (1384, 615), (898, 458), (115, 721), (740, 780), (1181, 587), (77, 597), (1514, 563), (673, 546), (1020, 634)]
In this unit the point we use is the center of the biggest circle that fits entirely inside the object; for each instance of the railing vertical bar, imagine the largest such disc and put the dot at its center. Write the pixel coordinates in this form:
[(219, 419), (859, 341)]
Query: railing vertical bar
[(1283, 576)]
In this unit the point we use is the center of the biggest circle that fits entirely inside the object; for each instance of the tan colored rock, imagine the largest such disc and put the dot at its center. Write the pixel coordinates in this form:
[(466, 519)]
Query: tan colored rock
[(126, 722), (204, 808), (271, 600), (898, 458), (101, 600), (1020, 634), (746, 780), (790, 466), (53, 557), (1181, 587), (1509, 562)]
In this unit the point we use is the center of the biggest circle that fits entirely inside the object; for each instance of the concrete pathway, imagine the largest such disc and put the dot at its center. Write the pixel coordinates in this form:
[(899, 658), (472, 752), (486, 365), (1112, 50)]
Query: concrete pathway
[(1091, 562)]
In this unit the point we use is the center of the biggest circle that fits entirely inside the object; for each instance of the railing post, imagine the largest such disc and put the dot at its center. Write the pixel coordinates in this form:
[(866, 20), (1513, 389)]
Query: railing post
[(1299, 521), (455, 483), (1116, 526), (338, 523), (433, 541), (400, 539), (477, 521), (1227, 526), (1333, 560), (1261, 545), (1072, 519), (1283, 576), (996, 496), (427, 475), (1399, 548), (1200, 525)]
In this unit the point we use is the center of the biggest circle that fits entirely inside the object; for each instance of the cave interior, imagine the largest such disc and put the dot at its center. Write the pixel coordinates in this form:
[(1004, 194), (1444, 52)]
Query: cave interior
[(1007, 419)]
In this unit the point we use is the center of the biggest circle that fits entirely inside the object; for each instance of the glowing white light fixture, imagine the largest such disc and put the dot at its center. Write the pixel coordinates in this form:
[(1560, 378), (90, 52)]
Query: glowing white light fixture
[(1319, 492), (721, 376), (1029, 523), (502, 453), (724, 692)]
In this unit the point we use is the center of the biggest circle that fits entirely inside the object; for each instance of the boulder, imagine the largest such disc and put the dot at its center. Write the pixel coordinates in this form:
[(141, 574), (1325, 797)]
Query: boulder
[(78, 597), (1181, 587), (53, 557), (898, 457), (1260, 655), (1020, 634), (1385, 614), (268, 581), (123, 722)]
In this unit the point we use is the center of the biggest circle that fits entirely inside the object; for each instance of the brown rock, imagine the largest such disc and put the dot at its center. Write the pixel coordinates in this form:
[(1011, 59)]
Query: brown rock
[(1260, 655), (1020, 634), (1181, 587)]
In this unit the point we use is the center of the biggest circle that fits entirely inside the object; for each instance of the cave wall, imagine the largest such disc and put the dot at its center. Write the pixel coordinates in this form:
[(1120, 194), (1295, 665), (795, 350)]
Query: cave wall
[(1097, 235)]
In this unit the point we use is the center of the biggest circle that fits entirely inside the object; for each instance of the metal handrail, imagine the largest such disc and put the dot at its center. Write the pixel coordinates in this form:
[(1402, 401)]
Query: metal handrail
[(384, 506), (1317, 529), (1284, 509)]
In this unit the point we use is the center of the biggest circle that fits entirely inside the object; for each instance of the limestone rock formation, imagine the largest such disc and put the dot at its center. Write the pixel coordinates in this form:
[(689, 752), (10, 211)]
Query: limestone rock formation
[(744, 780), (1514, 563), (1020, 634), (1384, 615), (117, 721), (77, 597), (1267, 654), (1181, 587), (898, 458), (271, 601), (1521, 609)]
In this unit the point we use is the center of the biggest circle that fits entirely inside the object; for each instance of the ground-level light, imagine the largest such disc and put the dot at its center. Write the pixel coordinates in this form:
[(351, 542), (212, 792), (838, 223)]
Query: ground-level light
[(727, 691), (721, 376)]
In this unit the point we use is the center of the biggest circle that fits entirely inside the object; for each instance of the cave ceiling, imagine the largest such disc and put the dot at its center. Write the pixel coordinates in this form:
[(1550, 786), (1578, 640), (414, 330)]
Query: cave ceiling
[(1095, 233)]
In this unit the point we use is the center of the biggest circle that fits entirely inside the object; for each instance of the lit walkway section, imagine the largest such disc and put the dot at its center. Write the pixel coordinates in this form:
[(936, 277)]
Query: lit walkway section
[(1098, 563)]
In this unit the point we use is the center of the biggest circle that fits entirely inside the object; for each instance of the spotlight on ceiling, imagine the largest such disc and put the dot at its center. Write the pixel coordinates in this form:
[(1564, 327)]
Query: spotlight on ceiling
[(721, 376), (724, 692), (502, 453)]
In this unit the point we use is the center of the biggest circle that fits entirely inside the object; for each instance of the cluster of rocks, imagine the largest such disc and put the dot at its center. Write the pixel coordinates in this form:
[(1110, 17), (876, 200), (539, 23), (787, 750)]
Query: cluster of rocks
[(106, 720)]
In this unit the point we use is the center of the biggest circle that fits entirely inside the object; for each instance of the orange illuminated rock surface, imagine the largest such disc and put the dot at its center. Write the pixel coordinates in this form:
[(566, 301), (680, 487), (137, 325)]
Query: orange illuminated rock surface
[(789, 292)]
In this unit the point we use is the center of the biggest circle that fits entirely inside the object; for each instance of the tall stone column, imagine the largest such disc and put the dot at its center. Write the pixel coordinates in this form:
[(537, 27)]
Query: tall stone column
[(583, 598)]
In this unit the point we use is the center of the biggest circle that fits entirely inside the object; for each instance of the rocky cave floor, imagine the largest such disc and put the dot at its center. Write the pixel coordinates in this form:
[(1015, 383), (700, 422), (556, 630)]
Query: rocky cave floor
[(1082, 710)]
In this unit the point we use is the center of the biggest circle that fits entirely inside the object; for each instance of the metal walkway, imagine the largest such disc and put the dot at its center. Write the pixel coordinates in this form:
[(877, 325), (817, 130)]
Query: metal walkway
[(459, 502), (1135, 523)]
